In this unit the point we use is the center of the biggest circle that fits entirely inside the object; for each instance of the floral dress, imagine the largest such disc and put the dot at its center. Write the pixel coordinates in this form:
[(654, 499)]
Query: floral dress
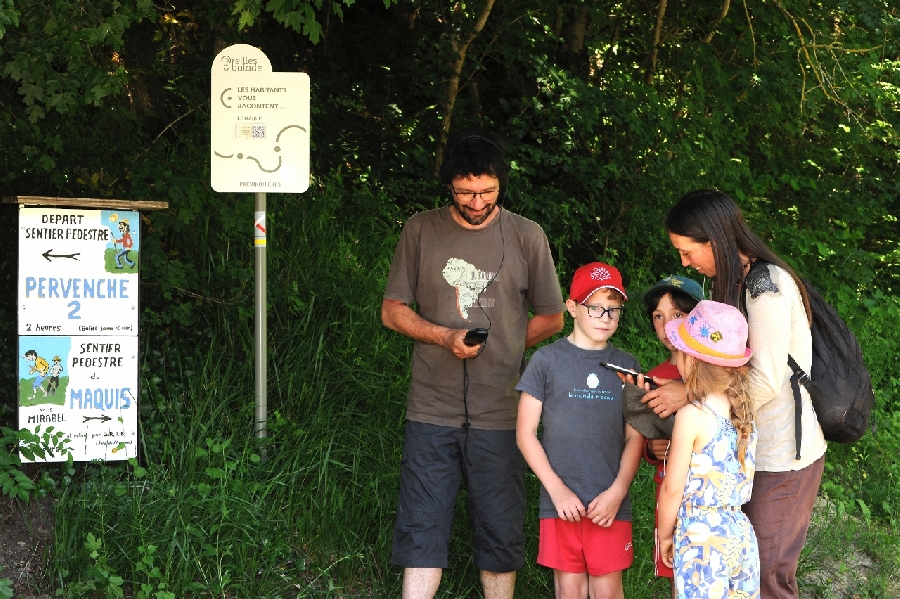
[(716, 554)]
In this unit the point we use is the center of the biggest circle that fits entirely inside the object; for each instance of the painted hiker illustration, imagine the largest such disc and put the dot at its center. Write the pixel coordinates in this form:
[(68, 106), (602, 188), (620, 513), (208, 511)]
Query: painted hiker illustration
[(127, 243), (54, 372), (39, 366)]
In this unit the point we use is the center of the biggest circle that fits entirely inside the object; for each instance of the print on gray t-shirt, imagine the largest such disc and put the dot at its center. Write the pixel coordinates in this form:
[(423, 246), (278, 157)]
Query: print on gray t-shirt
[(583, 428)]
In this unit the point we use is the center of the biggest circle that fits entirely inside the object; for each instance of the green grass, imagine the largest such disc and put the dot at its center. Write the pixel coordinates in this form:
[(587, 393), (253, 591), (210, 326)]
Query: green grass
[(210, 511), (859, 557), (57, 398), (109, 260)]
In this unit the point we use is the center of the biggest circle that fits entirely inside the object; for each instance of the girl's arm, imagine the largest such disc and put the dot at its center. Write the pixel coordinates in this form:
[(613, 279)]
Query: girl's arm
[(689, 423), (567, 504), (602, 510)]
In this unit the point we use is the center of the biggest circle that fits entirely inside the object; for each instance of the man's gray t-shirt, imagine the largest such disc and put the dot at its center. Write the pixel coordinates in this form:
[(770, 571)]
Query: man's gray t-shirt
[(463, 279), (583, 428)]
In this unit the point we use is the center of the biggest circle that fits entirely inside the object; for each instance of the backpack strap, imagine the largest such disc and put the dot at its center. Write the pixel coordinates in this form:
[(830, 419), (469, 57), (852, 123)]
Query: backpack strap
[(798, 378)]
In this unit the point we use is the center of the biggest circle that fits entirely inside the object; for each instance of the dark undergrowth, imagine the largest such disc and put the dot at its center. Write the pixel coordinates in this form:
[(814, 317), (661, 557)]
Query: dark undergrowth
[(209, 510)]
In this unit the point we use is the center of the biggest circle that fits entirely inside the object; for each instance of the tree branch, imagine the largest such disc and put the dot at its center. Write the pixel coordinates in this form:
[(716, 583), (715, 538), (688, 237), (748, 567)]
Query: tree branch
[(460, 44), (155, 139), (657, 32), (718, 20), (752, 34), (804, 52)]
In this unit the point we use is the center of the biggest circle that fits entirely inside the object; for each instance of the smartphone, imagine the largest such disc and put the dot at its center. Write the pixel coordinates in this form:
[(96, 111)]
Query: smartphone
[(475, 336), (633, 373)]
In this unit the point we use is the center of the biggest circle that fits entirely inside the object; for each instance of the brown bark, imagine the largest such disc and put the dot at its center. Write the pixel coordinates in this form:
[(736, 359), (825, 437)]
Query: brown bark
[(577, 29), (460, 43), (714, 24), (657, 33)]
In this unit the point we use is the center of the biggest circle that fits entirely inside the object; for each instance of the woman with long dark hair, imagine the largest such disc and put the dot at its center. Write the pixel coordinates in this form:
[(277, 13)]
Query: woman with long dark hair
[(709, 232)]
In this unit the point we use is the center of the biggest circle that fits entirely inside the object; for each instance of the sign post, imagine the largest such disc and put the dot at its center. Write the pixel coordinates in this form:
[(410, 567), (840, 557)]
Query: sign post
[(260, 333), (259, 138)]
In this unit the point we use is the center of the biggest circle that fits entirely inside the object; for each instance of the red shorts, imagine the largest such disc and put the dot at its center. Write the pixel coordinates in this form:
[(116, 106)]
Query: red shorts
[(585, 547)]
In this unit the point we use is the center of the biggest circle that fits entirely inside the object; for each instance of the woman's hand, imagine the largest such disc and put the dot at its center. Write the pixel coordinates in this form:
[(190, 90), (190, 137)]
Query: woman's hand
[(642, 381)]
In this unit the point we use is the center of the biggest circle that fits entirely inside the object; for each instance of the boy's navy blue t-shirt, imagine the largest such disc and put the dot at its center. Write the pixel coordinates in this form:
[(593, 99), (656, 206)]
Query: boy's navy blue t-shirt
[(583, 427)]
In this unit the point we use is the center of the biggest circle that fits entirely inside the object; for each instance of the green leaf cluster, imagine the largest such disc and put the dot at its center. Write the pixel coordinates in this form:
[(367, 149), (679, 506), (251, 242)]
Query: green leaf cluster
[(9, 16), (32, 445)]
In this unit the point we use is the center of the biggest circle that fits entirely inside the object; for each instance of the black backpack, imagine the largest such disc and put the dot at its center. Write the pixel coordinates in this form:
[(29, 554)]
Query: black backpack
[(839, 384)]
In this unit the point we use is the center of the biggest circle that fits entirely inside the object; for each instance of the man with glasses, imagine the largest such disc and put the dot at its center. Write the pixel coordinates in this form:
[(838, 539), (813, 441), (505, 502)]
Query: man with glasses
[(468, 265)]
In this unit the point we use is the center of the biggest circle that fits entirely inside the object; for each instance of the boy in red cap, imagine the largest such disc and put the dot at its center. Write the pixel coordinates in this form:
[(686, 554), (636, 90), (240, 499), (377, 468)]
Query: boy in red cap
[(587, 455)]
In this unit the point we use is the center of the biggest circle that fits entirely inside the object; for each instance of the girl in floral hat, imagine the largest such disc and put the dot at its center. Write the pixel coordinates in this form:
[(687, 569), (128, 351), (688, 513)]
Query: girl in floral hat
[(704, 535)]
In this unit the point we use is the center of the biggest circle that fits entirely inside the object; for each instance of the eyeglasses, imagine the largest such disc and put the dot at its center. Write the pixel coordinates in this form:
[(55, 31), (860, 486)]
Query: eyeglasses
[(486, 196), (600, 312)]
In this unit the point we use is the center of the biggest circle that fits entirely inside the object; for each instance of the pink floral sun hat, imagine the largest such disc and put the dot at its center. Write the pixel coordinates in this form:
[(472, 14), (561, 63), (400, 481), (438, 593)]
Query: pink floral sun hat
[(713, 332)]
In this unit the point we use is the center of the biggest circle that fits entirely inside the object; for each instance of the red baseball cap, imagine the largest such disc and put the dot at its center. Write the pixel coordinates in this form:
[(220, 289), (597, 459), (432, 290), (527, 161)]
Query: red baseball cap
[(591, 277)]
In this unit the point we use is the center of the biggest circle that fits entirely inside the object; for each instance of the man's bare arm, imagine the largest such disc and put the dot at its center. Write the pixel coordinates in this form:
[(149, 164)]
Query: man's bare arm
[(542, 326), (399, 317)]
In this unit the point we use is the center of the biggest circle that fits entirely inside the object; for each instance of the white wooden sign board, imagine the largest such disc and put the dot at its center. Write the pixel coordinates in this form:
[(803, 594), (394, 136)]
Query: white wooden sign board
[(77, 302), (259, 125), (78, 271), (84, 386)]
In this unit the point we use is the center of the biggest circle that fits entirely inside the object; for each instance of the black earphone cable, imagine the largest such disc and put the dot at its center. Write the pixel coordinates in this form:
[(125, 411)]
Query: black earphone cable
[(466, 423)]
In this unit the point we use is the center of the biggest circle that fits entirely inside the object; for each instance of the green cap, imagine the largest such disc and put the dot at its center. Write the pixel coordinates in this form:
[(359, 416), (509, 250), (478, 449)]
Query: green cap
[(683, 284)]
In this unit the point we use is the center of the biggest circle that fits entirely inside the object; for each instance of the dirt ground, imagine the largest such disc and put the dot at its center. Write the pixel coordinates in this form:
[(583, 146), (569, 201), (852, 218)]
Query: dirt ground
[(26, 538)]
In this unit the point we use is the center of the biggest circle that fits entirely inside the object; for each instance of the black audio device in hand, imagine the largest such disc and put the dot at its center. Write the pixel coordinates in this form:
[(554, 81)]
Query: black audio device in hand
[(475, 336)]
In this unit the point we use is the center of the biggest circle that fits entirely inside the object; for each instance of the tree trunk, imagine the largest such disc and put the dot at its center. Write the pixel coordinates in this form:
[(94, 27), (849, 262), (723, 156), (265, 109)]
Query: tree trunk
[(577, 29), (657, 33), (460, 44)]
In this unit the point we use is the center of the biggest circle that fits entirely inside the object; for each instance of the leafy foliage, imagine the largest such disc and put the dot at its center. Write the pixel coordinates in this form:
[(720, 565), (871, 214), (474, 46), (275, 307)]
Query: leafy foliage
[(299, 15), (6, 590), (98, 575), (9, 16), (792, 108), (33, 445)]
